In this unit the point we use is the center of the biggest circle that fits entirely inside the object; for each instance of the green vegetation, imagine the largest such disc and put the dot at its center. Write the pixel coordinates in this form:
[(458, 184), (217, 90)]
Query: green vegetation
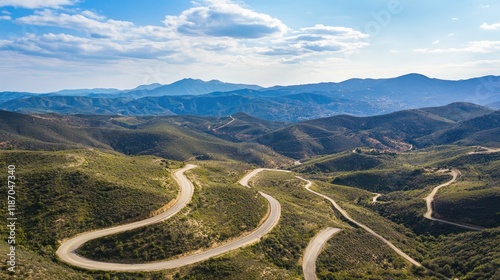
[(390, 180), (468, 256), (239, 265), (33, 266), (356, 254), (483, 130), (479, 207), (60, 194), (352, 201), (219, 211), (303, 215), (177, 138), (63, 192), (346, 161)]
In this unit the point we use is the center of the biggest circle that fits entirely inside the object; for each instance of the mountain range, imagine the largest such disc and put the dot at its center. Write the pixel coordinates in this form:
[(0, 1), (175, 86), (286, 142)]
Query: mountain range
[(243, 137), (357, 97)]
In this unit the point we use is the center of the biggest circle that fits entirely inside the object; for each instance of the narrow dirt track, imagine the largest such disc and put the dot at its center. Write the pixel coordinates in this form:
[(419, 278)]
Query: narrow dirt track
[(430, 199), (67, 250), (374, 199)]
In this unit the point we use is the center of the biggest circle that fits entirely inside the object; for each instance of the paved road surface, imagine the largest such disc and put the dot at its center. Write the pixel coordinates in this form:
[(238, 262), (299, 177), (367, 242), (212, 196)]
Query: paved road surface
[(313, 250), (66, 251), (369, 230), (244, 180), (430, 199)]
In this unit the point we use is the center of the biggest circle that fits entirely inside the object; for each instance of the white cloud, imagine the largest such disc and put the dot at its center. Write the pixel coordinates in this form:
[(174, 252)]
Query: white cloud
[(69, 47), (472, 47), (221, 18), (37, 4), (91, 25), (5, 18), (455, 18), (93, 15), (228, 32), (494, 26), (318, 39), (437, 42)]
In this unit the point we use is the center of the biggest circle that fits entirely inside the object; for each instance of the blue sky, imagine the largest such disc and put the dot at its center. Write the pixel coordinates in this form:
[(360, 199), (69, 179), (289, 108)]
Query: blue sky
[(48, 45)]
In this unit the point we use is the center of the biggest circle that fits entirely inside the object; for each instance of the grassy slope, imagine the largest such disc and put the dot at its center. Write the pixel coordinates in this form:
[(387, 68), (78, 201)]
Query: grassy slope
[(346, 161), (472, 197), (364, 257), (60, 194), (468, 256), (390, 180), (355, 254), (32, 266)]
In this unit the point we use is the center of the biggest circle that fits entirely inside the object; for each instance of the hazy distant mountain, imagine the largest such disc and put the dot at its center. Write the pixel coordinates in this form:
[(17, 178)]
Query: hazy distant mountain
[(283, 108), (187, 87), (9, 95), (66, 105), (146, 87), (412, 90), (359, 97), (495, 105), (83, 92)]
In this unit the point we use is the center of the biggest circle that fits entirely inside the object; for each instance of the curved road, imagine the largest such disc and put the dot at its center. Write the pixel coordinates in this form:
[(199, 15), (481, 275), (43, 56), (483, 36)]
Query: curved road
[(377, 195), (224, 125), (369, 230), (313, 250), (244, 180), (430, 199), (67, 250)]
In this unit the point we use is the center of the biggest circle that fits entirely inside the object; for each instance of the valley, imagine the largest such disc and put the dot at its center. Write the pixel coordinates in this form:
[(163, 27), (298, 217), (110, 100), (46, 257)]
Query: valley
[(249, 140), (120, 197)]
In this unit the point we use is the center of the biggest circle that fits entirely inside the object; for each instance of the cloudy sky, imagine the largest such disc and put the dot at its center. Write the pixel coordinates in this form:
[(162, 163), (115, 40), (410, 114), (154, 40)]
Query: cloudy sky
[(48, 45)]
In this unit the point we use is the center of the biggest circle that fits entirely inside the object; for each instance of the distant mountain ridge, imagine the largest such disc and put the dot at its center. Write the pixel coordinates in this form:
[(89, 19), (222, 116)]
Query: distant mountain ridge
[(358, 97), (241, 135)]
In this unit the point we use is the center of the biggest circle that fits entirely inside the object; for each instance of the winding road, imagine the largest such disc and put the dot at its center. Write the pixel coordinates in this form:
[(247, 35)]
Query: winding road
[(313, 250), (430, 199), (228, 123), (67, 250), (246, 178), (369, 230), (377, 195)]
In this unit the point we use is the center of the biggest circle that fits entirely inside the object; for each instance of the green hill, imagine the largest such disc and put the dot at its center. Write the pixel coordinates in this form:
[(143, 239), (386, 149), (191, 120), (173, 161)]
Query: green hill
[(459, 111), (178, 137), (346, 161), (483, 130), (393, 132), (478, 207)]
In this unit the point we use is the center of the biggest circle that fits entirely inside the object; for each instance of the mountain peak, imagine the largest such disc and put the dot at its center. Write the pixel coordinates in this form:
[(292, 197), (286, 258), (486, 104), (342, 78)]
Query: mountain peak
[(413, 76)]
